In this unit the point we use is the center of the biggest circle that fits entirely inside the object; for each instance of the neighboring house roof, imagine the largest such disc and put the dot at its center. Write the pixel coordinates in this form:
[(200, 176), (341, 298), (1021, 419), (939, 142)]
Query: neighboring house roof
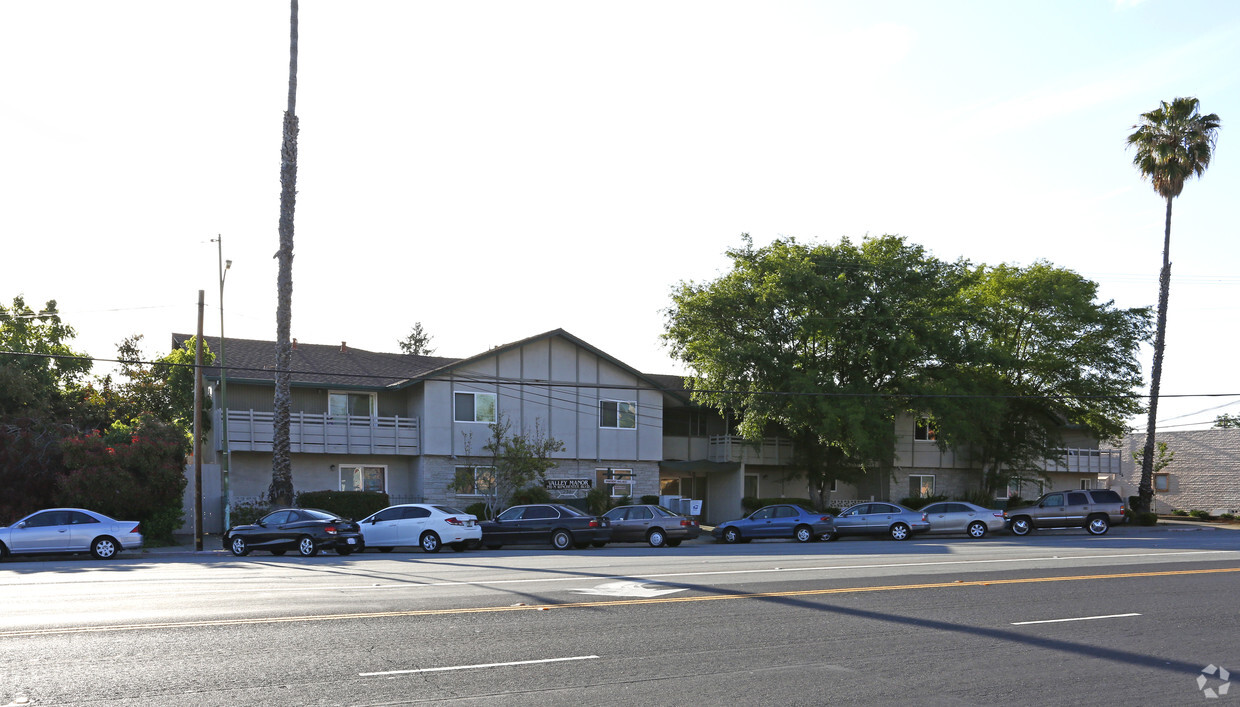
[(253, 361)]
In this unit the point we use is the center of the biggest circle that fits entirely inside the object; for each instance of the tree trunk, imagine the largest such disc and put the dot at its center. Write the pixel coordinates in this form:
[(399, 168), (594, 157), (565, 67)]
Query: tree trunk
[(1145, 490), (281, 489)]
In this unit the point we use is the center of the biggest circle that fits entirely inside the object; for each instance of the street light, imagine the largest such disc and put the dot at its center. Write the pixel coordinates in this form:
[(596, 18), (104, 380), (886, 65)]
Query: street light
[(224, 457)]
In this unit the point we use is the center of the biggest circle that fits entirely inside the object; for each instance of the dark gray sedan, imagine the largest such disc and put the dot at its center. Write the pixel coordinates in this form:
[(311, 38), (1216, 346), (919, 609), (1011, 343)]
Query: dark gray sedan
[(961, 517), (890, 519), (651, 524)]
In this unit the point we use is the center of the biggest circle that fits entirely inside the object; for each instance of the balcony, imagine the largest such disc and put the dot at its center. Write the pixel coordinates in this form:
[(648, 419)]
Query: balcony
[(320, 433), (729, 448), (1085, 461)]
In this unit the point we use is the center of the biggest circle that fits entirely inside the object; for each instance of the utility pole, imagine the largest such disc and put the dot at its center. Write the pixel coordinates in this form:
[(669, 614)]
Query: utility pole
[(224, 459), (198, 429)]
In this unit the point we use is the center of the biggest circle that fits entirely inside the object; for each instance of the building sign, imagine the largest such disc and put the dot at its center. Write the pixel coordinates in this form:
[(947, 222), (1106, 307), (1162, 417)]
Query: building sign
[(568, 484)]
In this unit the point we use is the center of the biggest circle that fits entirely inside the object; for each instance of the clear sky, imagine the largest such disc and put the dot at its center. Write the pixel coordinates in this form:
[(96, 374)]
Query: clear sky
[(495, 170)]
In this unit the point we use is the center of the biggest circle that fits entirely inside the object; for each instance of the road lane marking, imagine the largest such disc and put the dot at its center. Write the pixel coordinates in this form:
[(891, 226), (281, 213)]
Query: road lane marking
[(596, 604), (1078, 618), (627, 589), (481, 665)]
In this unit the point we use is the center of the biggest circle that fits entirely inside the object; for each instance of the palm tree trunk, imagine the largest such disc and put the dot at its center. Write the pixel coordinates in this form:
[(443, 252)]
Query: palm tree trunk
[(1145, 490), (281, 489)]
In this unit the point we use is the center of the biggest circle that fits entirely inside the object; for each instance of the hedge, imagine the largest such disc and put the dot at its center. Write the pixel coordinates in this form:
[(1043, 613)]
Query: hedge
[(350, 505)]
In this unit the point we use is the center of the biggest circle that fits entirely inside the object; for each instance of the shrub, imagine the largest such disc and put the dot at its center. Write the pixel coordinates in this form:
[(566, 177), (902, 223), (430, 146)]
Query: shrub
[(832, 510), (981, 498), (598, 501), (350, 505), (246, 513), (1133, 501), (1201, 515), (1227, 516), (1144, 518), (1014, 502), (478, 510), (1178, 512), (650, 500), (530, 494), (919, 502)]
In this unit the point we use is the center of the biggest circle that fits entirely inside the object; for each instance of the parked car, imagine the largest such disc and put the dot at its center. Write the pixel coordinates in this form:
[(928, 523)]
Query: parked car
[(426, 525), (891, 519), (70, 530), (651, 524), (783, 520), (306, 530), (962, 517), (1092, 509), (562, 526)]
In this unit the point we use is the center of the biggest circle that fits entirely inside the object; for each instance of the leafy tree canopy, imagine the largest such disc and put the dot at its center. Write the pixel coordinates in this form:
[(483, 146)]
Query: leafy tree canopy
[(37, 365)]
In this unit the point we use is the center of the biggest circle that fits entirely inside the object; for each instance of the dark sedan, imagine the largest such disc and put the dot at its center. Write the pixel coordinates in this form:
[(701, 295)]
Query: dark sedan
[(561, 526), (650, 524), (891, 519), (306, 530), (784, 520)]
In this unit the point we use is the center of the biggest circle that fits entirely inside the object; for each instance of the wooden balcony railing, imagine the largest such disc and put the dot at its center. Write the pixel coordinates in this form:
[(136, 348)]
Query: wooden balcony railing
[(315, 433)]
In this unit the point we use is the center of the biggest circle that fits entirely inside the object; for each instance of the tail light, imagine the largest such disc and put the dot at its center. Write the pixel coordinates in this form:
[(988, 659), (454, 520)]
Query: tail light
[(924, 517), (1121, 510), (688, 523), (453, 521), (137, 529), (593, 523), (825, 518), (330, 530), (1000, 515)]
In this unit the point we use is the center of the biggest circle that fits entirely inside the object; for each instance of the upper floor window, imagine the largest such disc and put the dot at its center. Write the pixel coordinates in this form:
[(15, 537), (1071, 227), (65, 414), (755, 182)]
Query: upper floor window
[(621, 414), (475, 407), (359, 404), (925, 430)]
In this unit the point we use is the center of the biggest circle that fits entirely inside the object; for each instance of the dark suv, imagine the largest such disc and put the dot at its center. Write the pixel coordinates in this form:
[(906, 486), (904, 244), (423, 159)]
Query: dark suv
[(1092, 509)]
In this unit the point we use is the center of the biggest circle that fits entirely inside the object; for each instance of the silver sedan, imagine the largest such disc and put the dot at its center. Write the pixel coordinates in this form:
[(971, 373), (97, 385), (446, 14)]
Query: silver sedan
[(67, 530), (961, 517)]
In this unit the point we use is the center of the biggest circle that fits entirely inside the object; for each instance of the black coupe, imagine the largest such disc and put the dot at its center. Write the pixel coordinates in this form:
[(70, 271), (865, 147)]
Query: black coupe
[(306, 530), (562, 526)]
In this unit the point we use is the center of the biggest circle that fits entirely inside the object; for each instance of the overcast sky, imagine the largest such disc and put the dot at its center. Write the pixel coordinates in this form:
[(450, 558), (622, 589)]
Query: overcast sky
[(495, 170)]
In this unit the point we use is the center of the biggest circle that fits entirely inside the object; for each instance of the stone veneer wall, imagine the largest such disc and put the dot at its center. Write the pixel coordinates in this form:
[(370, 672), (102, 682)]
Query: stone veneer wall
[(1205, 474)]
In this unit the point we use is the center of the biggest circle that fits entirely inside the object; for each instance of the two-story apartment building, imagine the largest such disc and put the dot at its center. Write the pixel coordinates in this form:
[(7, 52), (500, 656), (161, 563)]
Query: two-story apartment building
[(406, 424)]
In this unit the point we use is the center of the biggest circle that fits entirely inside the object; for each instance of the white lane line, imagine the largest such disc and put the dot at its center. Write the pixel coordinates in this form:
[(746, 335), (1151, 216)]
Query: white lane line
[(1079, 618), (483, 665)]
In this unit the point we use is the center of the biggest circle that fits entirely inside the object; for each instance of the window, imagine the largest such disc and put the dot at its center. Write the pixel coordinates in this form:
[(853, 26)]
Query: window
[(1162, 482), (640, 513), (1054, 500), (513, 513), (751, 485), (414, 512), (536, 512), (762, 513), (483, 479), (921, 485), (617, 414), (363, 478), (1075, 498), (475, 407), (925, 430), (1087, 484), (1018, 486), (345, 404), (80, 518), (619, 480), (786, 512)]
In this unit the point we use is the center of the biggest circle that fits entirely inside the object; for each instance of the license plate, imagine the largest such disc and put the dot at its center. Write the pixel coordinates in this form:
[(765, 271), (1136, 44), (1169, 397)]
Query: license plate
[(352, 541)]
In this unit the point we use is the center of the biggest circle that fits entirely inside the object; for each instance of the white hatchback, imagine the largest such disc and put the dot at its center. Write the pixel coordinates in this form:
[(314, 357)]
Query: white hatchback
[(426, 525)]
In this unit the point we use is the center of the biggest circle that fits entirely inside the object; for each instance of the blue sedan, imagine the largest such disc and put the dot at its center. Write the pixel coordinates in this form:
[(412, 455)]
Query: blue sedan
[(785, 520)]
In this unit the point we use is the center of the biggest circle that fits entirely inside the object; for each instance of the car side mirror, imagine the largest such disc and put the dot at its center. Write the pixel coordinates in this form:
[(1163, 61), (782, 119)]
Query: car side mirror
[(21, 524), (260, 524)]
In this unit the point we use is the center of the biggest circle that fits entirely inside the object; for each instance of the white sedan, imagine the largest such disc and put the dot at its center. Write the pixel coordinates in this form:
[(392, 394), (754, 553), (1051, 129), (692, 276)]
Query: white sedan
[(426, 525), (961, 517), (67, 530)]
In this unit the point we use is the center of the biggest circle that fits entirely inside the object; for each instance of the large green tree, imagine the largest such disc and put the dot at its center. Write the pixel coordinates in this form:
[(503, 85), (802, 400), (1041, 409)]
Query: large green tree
[(1172, 144), (1035, 350), (823, 341)]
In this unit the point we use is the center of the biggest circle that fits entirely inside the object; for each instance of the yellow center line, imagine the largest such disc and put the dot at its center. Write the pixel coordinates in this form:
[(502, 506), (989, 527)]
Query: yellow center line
[(596, 604)]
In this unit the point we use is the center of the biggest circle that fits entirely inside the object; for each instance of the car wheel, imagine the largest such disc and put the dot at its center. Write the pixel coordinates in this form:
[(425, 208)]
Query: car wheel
[(277, 553), (105, 548), (457, 547), (673, 543), (429, 541), (561, 539), (831, 536), (306, 546), (1021, 525), (1098, 525), (803, 533), (656, 538), (977, 529), (899, 531), (731, 535), (4, 552), (239, 547), (386, 548)]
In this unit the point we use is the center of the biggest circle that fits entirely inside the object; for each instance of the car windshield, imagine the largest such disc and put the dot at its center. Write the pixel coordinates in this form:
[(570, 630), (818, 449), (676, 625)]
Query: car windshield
[(570, 511), (316, 514), (451, 511)]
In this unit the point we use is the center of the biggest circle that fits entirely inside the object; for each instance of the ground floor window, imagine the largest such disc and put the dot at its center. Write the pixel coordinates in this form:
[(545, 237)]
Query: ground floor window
[(1024, 488), (751, 485), (1087, 484), (363, 478), (481, 480), (620, 481), (921, 485), (1162, 482)]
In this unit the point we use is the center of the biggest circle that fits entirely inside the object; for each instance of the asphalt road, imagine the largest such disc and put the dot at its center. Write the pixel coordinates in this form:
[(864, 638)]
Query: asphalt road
[(1058, 618)]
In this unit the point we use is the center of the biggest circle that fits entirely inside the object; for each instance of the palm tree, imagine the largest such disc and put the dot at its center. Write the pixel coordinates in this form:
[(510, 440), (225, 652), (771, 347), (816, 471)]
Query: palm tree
[(281, 490), (1173, 143)]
